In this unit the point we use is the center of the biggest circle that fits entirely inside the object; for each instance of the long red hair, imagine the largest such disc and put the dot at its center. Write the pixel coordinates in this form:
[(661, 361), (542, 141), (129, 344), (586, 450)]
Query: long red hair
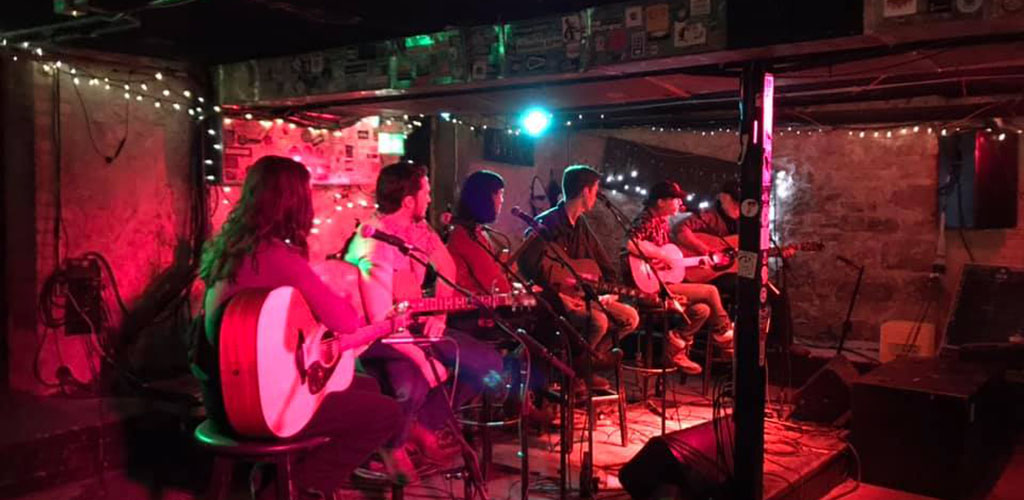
[(276, 203)]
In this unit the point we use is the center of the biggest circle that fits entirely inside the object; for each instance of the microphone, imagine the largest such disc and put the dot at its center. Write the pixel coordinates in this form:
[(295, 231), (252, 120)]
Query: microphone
[(446, 224), (390, 239), (519, 214)]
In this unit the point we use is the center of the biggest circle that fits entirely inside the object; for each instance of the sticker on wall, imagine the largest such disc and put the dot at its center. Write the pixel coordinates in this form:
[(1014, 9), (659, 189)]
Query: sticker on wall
[(688, 34), (700, 7), (636, 44), (897, 8), (747, 264), (749, 207), (657, 21), (634, 17), (968, 6)]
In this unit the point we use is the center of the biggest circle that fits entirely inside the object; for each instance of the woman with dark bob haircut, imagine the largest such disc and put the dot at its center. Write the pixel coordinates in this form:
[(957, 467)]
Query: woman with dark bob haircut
[(480, 201)]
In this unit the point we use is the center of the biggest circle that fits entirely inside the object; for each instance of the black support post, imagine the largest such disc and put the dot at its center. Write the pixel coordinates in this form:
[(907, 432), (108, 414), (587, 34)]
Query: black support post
[(751, 325)]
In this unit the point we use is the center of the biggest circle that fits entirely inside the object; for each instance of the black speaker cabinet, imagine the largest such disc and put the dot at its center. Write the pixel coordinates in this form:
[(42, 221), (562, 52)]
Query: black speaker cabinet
[(682, 464), (978, 179), (825, 398), (929, 426)]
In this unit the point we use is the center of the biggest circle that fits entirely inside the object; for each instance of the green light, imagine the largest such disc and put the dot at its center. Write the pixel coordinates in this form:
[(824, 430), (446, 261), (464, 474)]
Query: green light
[(418, 41), (535, 121), (391, 144)]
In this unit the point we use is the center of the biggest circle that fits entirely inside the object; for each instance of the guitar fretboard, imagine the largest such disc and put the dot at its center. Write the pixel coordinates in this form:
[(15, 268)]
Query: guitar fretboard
[(459, 303)]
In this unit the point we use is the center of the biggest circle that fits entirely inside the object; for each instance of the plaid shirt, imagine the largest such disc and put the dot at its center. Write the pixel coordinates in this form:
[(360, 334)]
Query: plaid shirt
[(648, 227)]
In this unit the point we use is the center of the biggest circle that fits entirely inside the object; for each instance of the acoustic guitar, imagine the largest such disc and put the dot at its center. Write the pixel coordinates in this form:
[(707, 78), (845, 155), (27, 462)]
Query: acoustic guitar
[(670, 270), (724, 251), (278, 363), (566, 283)]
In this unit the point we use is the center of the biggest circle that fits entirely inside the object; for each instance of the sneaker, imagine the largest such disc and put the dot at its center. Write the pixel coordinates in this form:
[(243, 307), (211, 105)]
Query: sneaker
[(686, 364), (723, 334)]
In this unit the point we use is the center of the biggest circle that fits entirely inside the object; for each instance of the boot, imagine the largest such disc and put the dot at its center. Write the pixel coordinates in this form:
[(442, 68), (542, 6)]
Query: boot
[(681, 357)]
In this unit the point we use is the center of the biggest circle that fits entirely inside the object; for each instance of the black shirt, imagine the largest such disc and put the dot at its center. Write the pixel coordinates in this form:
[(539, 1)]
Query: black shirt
[(577, 241)]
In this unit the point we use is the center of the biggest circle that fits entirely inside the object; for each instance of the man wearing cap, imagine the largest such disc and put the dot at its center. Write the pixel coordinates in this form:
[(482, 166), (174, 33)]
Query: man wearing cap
[(721, 221), (650, 231)]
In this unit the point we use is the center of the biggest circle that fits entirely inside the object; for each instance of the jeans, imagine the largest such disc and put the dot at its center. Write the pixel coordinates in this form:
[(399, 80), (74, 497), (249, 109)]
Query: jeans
[(358, 420), (479, 366), (702, 293), (624, 319)]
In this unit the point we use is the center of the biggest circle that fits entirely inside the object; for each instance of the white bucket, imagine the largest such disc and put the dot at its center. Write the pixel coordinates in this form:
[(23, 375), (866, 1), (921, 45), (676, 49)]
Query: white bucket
[(906, 338)]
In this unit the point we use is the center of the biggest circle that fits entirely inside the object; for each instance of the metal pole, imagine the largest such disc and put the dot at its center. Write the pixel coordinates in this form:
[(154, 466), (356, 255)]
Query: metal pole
[(755, 187)]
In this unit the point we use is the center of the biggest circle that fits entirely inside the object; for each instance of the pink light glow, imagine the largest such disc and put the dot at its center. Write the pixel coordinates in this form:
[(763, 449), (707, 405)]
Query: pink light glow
[(769, 110)]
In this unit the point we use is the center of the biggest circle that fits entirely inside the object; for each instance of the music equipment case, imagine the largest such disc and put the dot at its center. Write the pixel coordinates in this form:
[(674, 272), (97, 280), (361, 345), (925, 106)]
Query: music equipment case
[(931, 426)]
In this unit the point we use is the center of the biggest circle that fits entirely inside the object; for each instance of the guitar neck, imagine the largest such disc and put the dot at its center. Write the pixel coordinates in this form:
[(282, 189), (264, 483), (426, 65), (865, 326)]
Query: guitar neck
[(459, 303)]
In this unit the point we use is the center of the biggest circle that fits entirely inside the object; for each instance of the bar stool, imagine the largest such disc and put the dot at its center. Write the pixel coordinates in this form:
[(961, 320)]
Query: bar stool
[(228, 450)]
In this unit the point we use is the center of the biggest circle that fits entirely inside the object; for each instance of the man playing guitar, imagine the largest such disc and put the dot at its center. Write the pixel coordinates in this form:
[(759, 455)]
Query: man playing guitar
[(650, 231), (571, 237), (389, 276), (261, 246)]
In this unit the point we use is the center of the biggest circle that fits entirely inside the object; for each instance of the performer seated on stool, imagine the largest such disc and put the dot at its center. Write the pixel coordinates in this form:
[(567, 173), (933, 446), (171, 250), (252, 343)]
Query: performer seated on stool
[(388, 276), (262, 245), (472, 246), (720, 221), (570, 234), (651, 231)]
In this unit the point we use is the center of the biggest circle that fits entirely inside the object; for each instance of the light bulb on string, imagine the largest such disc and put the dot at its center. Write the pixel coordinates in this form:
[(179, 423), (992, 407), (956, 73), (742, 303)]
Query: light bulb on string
[(159, 75)]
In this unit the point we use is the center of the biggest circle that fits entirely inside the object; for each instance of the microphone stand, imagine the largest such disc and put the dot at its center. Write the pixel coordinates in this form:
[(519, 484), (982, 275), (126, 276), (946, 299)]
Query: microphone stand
[(569, 375), (473, 465), (847, 323), (663, 293), (587, 480)]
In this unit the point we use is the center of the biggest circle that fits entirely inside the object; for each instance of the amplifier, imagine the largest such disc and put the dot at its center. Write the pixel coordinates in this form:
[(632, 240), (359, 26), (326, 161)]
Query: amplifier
[(930, 426)]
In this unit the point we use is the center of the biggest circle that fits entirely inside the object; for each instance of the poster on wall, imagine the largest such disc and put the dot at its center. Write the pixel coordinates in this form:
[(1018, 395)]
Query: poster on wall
[(644, 30), (342, 157), (543, 46), (434, 59), (484, 52)]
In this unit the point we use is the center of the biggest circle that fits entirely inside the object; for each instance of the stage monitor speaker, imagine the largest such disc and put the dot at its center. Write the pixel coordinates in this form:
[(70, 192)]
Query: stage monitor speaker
[(825, 398), (987, 307), (683, 465), (931, 426)]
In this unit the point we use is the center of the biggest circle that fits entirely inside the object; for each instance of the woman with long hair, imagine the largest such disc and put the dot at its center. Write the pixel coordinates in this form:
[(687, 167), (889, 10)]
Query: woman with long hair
[(262, 245)]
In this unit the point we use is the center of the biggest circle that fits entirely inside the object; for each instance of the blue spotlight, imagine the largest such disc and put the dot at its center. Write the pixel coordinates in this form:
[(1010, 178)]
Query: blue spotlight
[(535, 121)]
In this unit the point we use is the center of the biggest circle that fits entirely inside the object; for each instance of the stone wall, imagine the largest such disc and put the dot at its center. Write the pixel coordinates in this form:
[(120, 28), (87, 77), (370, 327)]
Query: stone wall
[(132, 210), (871, 200)]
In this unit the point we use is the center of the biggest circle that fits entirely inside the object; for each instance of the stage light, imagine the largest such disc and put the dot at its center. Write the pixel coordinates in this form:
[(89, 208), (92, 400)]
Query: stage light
[(535, 121)]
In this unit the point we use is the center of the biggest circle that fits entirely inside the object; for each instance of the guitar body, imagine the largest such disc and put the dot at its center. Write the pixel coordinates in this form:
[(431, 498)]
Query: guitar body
[(723, 255), (275, 367), (674, 269), (724, 248)]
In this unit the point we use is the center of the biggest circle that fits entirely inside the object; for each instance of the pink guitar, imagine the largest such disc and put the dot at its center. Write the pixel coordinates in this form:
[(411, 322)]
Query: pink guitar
[(277, 363)]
